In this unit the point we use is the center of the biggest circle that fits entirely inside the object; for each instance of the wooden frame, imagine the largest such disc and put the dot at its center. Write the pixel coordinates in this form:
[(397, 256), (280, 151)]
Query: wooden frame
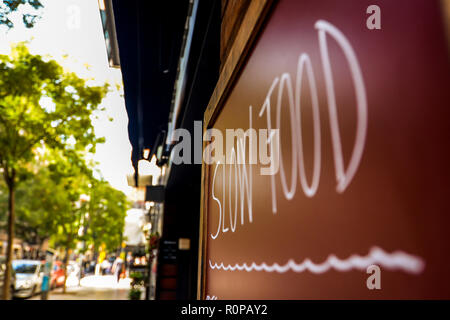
[(445, 4), (251, 25)]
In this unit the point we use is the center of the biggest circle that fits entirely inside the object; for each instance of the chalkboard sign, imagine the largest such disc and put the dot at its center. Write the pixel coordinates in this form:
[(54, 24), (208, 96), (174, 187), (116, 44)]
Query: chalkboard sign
[(168, 251), (358, 205)]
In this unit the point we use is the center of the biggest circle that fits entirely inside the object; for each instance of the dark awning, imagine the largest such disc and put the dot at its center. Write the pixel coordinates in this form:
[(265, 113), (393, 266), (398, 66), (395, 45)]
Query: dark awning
[(149, 35)]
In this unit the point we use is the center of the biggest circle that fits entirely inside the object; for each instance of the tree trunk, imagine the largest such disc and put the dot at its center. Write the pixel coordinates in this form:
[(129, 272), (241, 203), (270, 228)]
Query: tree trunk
[(66, 262), (9, 251)]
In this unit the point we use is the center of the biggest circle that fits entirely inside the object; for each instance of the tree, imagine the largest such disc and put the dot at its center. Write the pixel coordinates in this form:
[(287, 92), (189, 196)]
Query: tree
[(42, 106), (75, 180), (43, 195), (37, 201), (61, 201), (106, 216), (10, 6), (97, 218), (47, 194)]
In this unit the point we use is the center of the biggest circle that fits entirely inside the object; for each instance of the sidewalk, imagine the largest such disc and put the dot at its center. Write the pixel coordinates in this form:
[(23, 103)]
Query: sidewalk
[(92, 288)]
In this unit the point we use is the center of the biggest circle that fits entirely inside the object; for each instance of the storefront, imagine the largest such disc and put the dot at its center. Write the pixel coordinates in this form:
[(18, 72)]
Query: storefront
[(346, 107)]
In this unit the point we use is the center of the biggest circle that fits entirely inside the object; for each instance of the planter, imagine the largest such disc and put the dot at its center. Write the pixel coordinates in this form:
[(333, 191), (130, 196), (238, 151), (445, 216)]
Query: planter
[(135, 294)]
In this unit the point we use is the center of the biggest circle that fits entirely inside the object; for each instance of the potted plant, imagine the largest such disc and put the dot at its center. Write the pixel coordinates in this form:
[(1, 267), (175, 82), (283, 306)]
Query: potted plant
[(137, 282)]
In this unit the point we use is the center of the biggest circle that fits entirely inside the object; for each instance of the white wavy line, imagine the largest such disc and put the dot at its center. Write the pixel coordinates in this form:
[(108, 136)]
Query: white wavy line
[(392, 261)]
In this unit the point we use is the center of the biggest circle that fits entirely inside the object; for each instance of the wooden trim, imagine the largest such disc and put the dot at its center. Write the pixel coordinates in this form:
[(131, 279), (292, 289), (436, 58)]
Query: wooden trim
[(231, 23), (256, 14), (250, 26), (223, 7), (203, 231)]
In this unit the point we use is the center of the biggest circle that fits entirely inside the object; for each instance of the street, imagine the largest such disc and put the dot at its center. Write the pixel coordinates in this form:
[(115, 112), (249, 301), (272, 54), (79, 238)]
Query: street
[(92, 288)]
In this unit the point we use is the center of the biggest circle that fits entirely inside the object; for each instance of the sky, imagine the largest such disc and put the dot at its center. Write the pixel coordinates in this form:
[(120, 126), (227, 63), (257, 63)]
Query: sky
[(70, 31)]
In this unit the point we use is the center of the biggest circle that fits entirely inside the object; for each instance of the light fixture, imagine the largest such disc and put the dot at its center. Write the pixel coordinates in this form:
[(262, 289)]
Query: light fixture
[(146, 153), (101, 4)]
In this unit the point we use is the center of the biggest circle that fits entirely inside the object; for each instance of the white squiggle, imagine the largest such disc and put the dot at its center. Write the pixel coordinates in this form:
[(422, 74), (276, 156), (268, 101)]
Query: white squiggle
[(392, 261), (211, 298)]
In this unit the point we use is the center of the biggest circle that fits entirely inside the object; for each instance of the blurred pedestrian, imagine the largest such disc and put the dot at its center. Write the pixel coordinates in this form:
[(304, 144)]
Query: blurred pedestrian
[(105, 266), (117, 268)]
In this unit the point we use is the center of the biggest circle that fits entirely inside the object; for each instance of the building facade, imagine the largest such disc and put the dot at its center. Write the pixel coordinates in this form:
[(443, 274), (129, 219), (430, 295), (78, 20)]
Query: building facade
[(346, 105)]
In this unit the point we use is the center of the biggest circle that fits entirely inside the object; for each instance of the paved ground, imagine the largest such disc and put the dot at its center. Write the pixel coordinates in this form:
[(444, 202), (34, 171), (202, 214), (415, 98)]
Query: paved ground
[(92, 288)]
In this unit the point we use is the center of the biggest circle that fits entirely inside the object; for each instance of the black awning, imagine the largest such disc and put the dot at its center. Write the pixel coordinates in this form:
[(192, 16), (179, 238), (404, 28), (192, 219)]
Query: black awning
[(149, 35)]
